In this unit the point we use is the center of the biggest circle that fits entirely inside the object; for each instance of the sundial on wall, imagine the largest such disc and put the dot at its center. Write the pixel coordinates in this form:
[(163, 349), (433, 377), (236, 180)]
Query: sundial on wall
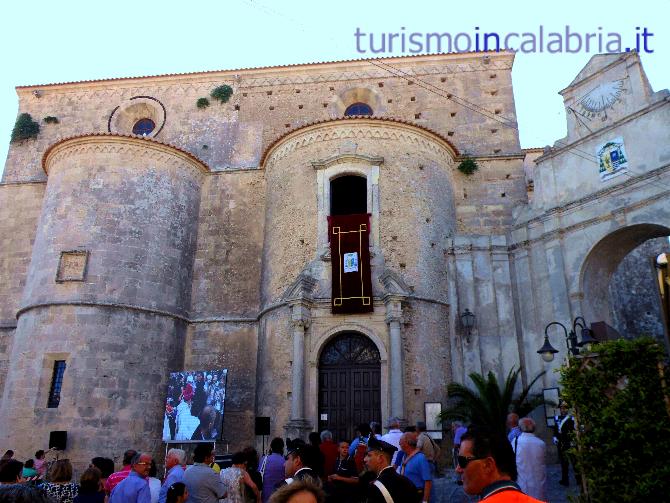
[(598, 101)]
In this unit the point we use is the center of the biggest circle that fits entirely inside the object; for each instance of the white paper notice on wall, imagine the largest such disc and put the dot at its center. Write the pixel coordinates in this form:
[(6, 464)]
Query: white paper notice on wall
[(612, 159), (324, 417), (351, 262)]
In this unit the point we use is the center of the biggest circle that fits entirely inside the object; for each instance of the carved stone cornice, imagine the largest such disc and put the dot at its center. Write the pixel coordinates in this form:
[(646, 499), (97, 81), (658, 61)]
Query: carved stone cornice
[(394, 285), (348, 158), (291, 74), (394, 130), (105, 143), (301, 290), (372, 72)]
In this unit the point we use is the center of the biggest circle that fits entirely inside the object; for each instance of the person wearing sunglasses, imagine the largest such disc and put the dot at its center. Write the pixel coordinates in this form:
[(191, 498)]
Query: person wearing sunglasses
[(135, 487), (487, 466)]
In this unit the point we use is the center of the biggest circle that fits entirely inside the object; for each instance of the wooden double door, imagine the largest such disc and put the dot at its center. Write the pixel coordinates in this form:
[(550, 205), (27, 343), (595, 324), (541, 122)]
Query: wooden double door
[(349, 385)]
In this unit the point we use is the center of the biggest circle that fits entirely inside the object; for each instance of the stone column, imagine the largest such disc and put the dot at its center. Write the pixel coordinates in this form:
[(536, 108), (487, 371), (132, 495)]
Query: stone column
[(298, 382), (396, 384), (298, 426)]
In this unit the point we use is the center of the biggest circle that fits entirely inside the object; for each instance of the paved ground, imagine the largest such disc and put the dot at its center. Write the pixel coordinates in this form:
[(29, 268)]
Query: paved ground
[(447, 491)]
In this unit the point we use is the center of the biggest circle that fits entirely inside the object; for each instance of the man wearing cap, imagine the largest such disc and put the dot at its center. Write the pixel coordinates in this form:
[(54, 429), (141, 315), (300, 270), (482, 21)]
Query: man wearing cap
[(390, 486), (488, 468)]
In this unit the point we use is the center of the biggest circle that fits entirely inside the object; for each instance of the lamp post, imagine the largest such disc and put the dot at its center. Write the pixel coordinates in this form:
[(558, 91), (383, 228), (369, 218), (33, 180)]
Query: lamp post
[(468, 321), (547, 351)]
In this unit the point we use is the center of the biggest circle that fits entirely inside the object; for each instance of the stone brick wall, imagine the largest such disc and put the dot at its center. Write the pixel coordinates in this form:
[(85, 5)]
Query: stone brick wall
[(131, 206), (427, 358), (20, 207), (634, 294), (19, 214), (227, 268), (232, 346), (113, 387), (166, 243), (416, 213), (269, 102), (273, 379)]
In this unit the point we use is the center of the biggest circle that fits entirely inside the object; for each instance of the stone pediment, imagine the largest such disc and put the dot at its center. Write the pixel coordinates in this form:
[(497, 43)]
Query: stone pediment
[(301, 288), (595, 65), (394, 284)]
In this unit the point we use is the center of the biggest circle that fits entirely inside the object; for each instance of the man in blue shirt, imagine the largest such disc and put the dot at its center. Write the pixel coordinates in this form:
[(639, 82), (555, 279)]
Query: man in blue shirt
[(174, 463), (135, 487), (415, 466)]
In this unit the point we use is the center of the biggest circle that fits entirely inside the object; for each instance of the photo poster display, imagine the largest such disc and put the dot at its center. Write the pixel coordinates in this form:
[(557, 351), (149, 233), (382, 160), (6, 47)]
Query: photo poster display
[(433, 424), (551, 400), (194, 406)]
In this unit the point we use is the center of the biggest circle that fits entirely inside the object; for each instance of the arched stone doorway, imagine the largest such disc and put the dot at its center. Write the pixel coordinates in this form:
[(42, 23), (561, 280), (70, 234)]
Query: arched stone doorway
[(349, 384), (619, 281)]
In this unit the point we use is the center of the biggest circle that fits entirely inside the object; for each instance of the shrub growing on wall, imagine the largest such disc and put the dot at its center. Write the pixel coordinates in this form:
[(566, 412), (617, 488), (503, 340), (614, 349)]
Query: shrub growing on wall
[(468, 166), (222, 93), (620, 401), (24, 128)]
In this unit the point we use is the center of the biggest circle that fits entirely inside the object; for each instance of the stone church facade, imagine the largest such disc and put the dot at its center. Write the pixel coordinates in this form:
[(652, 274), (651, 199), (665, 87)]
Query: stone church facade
[(204, 243)]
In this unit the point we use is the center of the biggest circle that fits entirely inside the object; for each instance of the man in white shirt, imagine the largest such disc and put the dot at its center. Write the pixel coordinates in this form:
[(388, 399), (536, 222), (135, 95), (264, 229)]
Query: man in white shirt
[(530, 460), (393, 436)]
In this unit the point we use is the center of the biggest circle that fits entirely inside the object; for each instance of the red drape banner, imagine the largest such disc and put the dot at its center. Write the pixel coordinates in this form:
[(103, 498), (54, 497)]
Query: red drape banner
[(350, 259)]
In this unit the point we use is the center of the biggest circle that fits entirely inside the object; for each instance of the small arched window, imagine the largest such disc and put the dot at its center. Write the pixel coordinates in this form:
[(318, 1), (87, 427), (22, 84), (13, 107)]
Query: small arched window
[(143, 127), (358, 109)]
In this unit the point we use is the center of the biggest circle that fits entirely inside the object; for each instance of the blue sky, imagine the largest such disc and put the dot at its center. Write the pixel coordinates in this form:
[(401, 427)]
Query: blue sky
[(61, 41)]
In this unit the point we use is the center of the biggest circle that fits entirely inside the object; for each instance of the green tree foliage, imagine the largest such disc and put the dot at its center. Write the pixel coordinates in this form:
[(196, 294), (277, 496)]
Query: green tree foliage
[(202, 103), (24, 128), (488, 403), (624, 438), (222, 93)]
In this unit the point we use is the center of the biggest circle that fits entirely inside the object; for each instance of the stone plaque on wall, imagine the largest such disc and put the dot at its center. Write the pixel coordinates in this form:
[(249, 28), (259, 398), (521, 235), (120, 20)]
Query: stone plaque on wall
[(72, 266)]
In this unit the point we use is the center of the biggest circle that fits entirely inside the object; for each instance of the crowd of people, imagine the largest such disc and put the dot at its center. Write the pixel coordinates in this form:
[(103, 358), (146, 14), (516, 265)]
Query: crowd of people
[(398, 466)]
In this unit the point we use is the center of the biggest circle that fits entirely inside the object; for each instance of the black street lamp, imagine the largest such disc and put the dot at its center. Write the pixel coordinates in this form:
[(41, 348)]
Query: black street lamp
[(468, 321), (547, 351)]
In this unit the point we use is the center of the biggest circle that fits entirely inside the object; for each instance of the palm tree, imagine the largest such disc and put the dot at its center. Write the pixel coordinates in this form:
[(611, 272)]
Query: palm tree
[(489, 403)]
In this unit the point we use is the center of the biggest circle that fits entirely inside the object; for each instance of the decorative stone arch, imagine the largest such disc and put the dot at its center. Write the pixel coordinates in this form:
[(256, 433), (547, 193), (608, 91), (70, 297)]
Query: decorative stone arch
[(602, 260), (123, 117), (319, 340)]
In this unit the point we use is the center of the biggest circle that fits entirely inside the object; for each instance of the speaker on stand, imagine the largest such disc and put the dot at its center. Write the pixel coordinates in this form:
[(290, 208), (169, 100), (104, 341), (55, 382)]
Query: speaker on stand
[(262, 427)]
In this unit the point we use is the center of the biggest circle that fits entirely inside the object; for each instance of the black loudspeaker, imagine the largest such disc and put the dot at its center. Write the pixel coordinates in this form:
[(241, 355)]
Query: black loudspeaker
[(224, 460), (262, 426), (58, 440)]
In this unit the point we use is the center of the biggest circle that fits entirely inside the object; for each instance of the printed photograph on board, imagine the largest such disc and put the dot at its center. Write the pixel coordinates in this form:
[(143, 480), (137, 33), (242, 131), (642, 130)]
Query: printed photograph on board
[(194, 406)]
